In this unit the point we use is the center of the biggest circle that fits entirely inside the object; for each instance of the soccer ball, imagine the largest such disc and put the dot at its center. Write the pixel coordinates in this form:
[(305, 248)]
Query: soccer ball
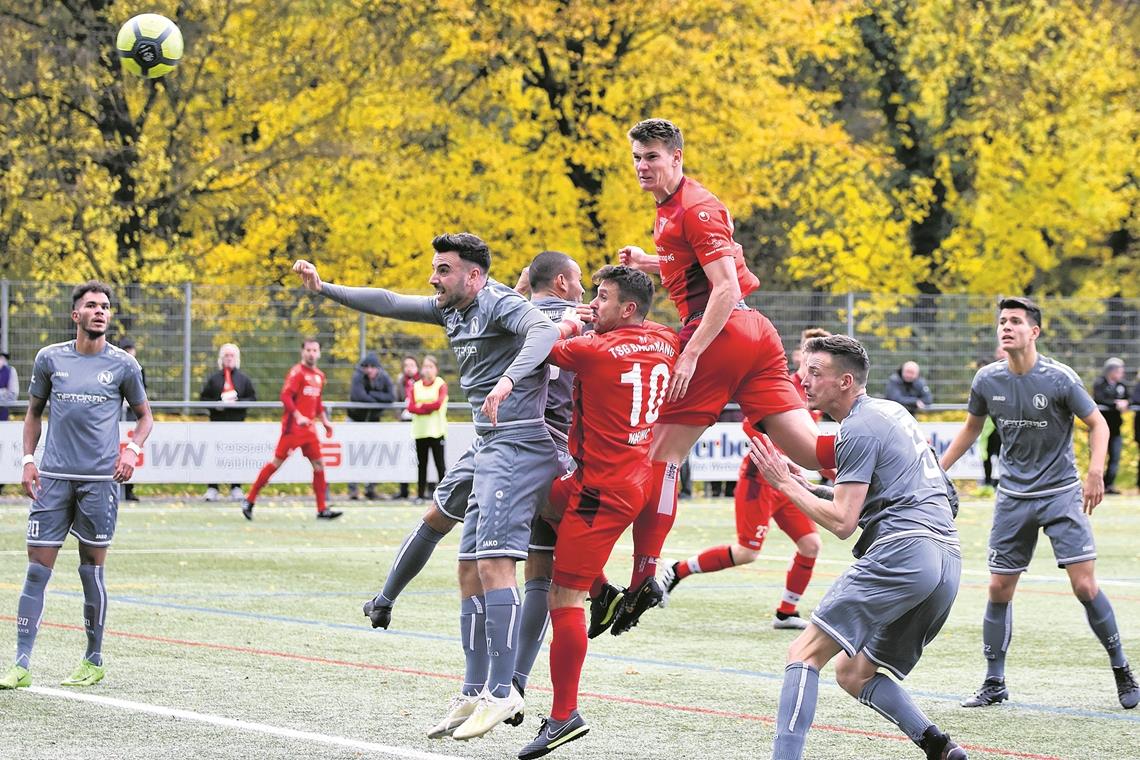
[(149, 45)]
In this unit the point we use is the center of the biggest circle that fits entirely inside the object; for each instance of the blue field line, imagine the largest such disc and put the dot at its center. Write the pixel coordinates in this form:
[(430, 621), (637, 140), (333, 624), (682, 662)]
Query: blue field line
[(668, 664)]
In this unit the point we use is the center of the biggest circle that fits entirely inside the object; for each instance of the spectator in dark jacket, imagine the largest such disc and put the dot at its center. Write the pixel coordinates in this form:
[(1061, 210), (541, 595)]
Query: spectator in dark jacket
[(370, 385), (907, 388), (1111, 397), (229, 385)]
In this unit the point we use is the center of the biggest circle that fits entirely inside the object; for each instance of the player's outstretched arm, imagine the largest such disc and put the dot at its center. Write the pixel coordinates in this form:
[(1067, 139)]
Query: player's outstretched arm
[(963, 440), (33, 426), (1098, 450), (632, 256)]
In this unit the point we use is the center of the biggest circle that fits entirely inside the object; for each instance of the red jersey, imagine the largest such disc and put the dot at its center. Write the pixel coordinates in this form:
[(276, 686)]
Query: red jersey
[(302, 393), (620, 383), (693, 228)]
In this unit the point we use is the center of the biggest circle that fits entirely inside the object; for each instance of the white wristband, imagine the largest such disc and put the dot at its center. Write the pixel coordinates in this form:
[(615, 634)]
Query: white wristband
[(132, 446), (28, 459)]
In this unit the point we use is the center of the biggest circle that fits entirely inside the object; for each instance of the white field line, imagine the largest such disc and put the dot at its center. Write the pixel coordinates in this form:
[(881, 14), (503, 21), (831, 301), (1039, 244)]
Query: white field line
[(241, 725)]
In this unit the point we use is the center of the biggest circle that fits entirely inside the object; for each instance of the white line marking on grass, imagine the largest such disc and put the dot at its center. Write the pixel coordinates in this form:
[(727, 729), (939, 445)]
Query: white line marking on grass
[(241, 725)]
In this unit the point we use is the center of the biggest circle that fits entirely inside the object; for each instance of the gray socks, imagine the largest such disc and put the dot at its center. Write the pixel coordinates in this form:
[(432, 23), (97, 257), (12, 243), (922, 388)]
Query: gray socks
[(29, 611), (796, 710), (410, 559), (94, 610), (532, 631), (473, 633), (1103, 622), (997, 630), (503, 622), (887, 698)]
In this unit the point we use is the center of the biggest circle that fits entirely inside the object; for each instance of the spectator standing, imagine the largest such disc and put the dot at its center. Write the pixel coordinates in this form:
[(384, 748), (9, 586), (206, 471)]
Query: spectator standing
[(1111, 396), (428, 405), (370, 385), (230, 386), (128, 345), (9, 384), (409, 374), (906, 387)]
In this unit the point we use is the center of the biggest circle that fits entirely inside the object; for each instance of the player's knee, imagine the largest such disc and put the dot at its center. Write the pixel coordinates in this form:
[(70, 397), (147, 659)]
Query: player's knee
[(743, 555), (539, 564), (437, 520), (1085, 589), (850, 678), (1001, 588), (809, 545)]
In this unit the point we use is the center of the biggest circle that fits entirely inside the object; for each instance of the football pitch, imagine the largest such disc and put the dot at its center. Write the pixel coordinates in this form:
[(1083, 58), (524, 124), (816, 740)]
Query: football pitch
[(231, 639)]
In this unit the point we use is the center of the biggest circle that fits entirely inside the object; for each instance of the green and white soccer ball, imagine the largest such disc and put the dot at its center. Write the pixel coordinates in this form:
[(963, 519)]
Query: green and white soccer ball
[(149, 45)]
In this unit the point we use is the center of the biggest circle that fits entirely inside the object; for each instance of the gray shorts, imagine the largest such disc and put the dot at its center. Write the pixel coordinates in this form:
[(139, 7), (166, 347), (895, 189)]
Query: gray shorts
[(893, 601), (88, 509), (543, 536), (512, 471), (1017, 522), (454, 489)]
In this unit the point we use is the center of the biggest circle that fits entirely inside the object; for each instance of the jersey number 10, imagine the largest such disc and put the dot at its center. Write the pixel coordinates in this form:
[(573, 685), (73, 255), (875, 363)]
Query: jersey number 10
[(658, 383)]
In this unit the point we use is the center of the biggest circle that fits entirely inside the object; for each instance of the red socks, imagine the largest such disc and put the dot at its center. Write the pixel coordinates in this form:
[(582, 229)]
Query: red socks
[(262, 478), (708, 561), (799, 575), (654, 522), (320, 488), (567, 655), (596, 588)]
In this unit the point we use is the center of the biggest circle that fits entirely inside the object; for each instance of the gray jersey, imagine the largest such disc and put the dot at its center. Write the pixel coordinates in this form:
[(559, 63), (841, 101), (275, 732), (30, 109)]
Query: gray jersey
[(85, 394), (499, 335), (879, 444), (1033, 414), (560, 390)]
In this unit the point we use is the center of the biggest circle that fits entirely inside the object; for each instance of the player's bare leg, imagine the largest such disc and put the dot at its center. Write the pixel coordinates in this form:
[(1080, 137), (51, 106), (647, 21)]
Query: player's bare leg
[(794, 432), (1102, 620), (411, 558)]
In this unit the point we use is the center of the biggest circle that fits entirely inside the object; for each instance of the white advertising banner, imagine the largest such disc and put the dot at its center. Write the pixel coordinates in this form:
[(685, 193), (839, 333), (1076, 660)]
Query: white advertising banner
[(233, 452)]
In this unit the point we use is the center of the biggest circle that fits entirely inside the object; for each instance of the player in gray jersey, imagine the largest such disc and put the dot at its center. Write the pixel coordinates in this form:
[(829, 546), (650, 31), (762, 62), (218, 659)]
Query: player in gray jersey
[(894, 599), (1032, 401), (501, 343), (76, 487)]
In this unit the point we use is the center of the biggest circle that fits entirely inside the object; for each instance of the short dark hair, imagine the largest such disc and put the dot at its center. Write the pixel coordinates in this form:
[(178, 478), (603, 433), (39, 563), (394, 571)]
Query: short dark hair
[(850, 354), (546, 266), (657, 130), (467, 246), (91, 286), (633, 285), (1026, 304), (310, 339)]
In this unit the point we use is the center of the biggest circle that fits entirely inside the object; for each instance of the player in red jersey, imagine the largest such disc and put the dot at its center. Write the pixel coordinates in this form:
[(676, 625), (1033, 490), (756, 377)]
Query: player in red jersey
[(301, 396), (757, 504), (729, 351), (622, 375)]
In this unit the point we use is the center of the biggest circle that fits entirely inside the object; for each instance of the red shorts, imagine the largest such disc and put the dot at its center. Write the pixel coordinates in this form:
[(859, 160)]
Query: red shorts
[(593, 522), (303, 439), (745, 363), (757, 503)]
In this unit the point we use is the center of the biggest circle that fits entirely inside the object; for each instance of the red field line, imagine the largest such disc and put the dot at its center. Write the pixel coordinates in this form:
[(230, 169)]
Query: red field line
[(593, 695)]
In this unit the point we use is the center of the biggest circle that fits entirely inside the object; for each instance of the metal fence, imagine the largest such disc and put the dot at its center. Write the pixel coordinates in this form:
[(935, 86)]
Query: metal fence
[(177, 329)]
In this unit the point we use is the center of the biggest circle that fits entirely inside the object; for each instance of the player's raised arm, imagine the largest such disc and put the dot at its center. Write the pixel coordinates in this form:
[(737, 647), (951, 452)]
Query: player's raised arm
[(632, 256), (840, 516), (378, 301), (963, 440)]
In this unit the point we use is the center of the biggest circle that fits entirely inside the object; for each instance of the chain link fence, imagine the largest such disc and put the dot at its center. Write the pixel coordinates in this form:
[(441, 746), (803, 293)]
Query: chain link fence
[(177, 329)]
